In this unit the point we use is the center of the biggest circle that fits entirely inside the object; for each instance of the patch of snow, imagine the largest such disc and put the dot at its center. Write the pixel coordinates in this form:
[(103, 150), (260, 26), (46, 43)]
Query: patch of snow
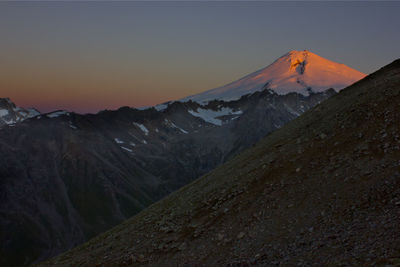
[(157, 130), (144, 142), (57, 114), (142, 127), (118, 141), (32, 112), (16, 114), (3, 112), (179, 128), (127, 149), (142, 108), (211, 116), (72, 126), (9, 121), (132, 144), (170, 123), (161, 107)]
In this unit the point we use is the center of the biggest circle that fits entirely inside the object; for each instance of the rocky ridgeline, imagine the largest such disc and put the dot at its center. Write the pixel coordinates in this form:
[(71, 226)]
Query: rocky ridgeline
[(57, 169)]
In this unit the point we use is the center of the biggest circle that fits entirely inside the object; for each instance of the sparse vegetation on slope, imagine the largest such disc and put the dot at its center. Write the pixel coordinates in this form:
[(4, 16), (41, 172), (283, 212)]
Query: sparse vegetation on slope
[(323, 190)]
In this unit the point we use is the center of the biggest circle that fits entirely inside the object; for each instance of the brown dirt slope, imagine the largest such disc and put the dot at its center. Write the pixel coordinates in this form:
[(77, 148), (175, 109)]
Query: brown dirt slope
[(323, 190)]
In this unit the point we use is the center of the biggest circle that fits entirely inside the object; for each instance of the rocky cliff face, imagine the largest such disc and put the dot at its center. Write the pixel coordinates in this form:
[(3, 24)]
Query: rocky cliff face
[(66, 177)]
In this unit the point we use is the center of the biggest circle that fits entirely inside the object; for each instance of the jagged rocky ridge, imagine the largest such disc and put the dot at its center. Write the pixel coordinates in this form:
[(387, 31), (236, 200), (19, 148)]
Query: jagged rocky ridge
[(323, 190), (11, 114), (66, 177)]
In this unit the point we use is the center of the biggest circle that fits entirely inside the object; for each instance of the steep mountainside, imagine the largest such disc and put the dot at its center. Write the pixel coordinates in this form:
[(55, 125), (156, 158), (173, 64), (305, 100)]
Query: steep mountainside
[(297, 71), (323, 190), (11, 114), (66, 177)]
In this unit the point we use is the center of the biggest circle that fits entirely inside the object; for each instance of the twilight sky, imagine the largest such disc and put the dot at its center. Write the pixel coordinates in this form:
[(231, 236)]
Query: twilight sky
[(89, 56)]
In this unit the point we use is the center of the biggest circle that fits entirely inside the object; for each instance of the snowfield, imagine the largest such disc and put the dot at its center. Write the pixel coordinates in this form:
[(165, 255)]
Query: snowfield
[(142, 127), (211, 116)]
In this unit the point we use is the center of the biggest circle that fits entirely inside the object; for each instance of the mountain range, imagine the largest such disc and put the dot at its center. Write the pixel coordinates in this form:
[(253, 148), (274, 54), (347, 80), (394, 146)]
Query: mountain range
[(66, 177), (322, 190)]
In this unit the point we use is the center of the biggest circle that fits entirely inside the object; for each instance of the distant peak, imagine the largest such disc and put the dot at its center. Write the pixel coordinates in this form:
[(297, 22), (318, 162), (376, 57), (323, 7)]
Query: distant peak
[(296, 71)]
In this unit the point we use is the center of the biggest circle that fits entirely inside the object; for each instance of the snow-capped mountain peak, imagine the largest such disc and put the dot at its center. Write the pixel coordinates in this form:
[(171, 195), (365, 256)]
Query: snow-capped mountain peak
[(297, 71), (10, 114)]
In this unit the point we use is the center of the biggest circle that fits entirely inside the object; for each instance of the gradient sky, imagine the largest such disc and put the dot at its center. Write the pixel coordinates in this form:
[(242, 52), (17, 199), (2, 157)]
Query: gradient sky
[(89, 56)]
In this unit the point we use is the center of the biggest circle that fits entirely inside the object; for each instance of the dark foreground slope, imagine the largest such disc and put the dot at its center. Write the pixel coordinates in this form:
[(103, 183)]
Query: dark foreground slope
[(323, 190)]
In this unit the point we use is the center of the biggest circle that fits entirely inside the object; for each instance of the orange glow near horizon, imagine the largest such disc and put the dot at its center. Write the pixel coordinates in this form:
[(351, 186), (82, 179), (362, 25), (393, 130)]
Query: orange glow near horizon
[(85, 103), (84, 90)]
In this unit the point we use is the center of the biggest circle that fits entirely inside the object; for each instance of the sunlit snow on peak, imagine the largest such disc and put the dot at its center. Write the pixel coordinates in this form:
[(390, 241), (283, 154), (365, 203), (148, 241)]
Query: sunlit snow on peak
[(297, 71)]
